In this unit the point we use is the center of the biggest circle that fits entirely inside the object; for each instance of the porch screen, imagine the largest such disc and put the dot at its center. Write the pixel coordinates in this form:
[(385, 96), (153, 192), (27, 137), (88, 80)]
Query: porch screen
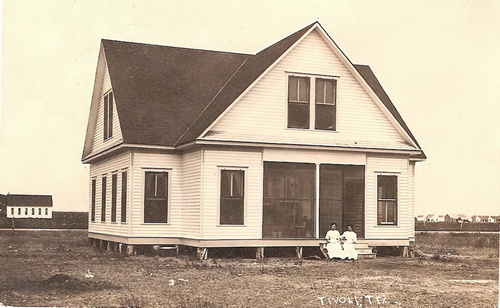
[(289, 200), (341, 198)]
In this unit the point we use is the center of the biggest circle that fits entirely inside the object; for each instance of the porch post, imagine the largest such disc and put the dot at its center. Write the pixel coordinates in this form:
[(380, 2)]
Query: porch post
[(317, 200)]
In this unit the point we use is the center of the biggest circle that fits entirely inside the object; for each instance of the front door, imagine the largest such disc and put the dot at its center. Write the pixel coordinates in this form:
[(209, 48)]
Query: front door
[(342, 195)]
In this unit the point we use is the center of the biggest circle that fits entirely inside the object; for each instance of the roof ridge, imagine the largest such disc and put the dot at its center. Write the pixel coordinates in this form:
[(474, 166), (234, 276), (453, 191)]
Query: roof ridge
[(210, 102), (177, 47)]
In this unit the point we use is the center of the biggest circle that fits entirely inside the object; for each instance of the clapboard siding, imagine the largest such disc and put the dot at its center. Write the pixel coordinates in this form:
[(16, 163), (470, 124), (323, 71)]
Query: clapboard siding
[(172, 163), (261, 115), (411, 199), (387, 165), (108, 167), (191, 194), (213, 162), (98, 143)]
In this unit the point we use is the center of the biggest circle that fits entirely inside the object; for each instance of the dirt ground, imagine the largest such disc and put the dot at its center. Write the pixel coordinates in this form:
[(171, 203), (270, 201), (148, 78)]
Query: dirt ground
[(58, 268)]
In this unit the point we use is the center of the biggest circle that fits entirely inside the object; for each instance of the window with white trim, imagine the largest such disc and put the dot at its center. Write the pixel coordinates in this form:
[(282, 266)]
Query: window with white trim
[(232, 197), (156, 197), (387, 195), (301, 113), (108, 115)]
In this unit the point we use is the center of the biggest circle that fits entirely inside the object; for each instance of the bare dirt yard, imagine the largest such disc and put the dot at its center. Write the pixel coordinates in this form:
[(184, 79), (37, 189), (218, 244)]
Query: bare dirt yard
[(59, 268)]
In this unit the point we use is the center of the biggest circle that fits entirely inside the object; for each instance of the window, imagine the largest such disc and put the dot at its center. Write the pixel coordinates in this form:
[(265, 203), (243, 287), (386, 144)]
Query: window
[(92, 201), (32, 211), (114, 187), (325, 103), (12, 211), (232, 195), (322, 113), (124, 197), (46, 211), (39, 211), (108, 115), (103, 200), (26, 211), (298, 102), (387, 200), (19, 211), (156, 197)]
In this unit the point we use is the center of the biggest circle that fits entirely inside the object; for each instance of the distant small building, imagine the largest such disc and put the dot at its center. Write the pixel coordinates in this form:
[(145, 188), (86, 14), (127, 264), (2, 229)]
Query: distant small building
[(494, 219), (434, 218), (480, 218), (3, 206), (29, 206), (456, 218), (420, 217)]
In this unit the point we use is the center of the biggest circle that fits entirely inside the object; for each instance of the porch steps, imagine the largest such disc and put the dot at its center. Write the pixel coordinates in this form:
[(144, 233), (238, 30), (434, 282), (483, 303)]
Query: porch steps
[(365, 251)]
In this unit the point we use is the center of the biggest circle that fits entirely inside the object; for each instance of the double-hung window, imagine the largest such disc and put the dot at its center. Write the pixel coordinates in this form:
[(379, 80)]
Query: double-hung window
[(387, 188), (298, 102), (114, 192), (103, 199), (156, 197), (108, 115), (325, 104), (232, 197), (321, 115)]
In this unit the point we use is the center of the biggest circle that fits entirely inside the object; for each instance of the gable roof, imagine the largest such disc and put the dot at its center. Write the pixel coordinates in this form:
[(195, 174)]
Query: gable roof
[(29, 200), (168, 96)]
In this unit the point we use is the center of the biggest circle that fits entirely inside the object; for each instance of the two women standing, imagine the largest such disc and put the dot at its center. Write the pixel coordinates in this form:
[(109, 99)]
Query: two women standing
[(341, 247)]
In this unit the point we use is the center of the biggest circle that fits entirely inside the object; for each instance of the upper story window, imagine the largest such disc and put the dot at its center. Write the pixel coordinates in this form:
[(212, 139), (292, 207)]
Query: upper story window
[(298, 102), (108, 115), (322, 113)]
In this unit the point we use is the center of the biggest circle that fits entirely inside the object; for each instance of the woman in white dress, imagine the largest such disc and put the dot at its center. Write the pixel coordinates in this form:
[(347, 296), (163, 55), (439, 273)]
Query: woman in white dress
[(349, 238), (333, 246)]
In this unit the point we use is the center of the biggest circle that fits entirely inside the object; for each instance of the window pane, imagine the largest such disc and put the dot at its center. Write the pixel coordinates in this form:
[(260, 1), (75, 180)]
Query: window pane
[(320, 90), (161, 184), (304, 89), (237, 183), (225, 185), (330, 91), (298, 115), (231, 211), (292, 89), (150, 188), (325, 116), (387, 187)]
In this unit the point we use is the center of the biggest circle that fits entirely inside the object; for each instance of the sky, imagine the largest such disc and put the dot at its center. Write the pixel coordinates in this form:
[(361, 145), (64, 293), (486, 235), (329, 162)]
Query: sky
[(439, 62)]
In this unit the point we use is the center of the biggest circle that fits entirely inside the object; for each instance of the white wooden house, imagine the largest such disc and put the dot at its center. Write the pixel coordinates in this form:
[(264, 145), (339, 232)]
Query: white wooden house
[(219, 149), (28, 206)]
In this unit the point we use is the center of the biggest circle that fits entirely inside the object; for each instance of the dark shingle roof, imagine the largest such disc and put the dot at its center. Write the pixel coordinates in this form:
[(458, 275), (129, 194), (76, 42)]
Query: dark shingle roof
[(366, 72), (168, 96), (29, 200)]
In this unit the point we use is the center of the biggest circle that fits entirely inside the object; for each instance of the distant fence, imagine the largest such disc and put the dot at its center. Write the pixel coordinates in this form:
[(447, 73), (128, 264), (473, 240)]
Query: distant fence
[(60, 220), (455, 226)]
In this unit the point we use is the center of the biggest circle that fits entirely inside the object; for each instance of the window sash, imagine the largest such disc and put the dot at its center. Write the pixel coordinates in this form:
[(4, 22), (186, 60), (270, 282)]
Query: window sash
[(298, 102), (387, 207), (124, 198), (156, 197), (103, 200), (108, 115), (114, 193), (232, 197), (93, 201)]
